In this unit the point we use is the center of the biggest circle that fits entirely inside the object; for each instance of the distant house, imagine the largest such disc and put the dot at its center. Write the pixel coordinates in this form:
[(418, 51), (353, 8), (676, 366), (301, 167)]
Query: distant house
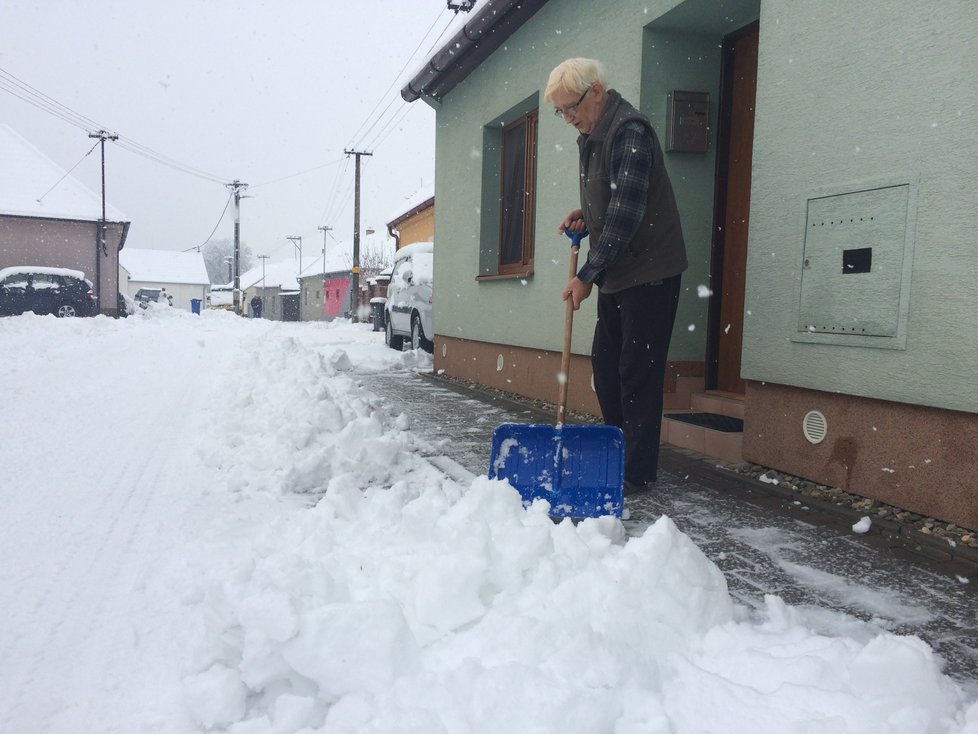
[(183, 274), (825, 164), (326, 296), (324, 284), (416, 223), (50, 218), (277, 285)]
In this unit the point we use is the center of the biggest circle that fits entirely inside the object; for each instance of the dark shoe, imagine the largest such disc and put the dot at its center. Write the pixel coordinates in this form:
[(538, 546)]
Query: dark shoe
[(633, 488)]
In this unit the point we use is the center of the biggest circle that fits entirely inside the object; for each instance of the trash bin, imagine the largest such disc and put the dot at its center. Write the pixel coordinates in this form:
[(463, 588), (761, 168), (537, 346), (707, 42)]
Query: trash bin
[(195, 305), (377, 312)]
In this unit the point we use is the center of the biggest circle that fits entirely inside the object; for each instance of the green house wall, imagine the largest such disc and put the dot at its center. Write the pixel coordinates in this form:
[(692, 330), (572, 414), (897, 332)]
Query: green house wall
[(851, 96), (648, 51)]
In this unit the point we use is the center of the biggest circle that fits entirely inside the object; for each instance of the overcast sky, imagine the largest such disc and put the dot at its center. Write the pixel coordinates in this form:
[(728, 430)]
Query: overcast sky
[(269, 93)]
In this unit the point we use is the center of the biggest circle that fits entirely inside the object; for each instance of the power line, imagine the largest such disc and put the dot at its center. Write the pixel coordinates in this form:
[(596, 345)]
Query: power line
[(35, 97), (164, 160), (22, 90), (385, 132), (398, 75), (386, 128), (399, 110), (367, 119), (300, 173), (332, 197), (215, 226)]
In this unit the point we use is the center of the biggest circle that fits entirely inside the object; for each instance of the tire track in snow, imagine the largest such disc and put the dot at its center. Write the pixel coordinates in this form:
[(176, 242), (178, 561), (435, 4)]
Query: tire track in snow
[(76, 614)]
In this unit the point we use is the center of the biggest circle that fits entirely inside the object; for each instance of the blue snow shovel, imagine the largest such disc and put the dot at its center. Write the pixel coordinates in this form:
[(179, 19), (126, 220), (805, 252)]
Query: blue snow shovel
[(579, 470)]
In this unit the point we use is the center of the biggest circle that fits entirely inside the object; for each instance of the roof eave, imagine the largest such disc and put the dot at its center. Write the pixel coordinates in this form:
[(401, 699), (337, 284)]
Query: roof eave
[(426, 204), (474, 43)]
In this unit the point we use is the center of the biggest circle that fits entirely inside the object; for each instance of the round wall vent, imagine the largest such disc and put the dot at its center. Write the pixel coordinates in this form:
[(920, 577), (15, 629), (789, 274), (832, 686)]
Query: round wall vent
[(814, 426), (500, 363)]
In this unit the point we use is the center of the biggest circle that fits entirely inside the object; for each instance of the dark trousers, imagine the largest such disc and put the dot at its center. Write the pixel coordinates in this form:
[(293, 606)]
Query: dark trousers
[(628, 357)]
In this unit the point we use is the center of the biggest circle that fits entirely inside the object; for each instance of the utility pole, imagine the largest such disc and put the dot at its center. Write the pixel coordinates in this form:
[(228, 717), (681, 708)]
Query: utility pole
[(100, 249), (263, 258), (325, 231), (356, 237), (236, 186), (294, 238)]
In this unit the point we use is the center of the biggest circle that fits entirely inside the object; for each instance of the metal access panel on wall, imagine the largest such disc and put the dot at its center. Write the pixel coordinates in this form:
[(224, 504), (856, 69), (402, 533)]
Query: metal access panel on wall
[(853, 268)]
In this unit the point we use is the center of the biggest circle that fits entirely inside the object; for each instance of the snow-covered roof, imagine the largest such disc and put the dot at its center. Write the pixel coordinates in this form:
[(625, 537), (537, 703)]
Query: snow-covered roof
[(164, 266), (283, 273), (415, 200), (26, 174)]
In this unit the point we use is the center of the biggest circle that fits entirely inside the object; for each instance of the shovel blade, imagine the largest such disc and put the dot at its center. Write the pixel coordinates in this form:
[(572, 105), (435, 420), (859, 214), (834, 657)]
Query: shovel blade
[(579, 470)]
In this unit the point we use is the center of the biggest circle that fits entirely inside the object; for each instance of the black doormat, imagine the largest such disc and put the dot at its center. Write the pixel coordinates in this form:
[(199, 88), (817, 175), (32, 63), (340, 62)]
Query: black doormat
[(714, 421)]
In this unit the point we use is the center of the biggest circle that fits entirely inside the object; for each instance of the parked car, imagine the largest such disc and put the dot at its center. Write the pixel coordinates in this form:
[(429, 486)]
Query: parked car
[(408, 313), (147, 295), (43, 290), (125, 305), (222, 297)]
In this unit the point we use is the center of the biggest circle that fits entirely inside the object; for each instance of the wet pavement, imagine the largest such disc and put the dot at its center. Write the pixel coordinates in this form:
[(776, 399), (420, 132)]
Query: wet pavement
[(766, 542)]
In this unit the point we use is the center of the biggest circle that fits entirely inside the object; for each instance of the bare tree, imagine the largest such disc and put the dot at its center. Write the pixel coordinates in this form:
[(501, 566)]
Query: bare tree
[(375, 258), (374, 261), (216, 254)]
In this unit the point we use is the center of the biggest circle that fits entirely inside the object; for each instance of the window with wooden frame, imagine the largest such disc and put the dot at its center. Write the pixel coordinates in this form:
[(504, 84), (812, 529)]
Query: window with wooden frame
[(517, 194)]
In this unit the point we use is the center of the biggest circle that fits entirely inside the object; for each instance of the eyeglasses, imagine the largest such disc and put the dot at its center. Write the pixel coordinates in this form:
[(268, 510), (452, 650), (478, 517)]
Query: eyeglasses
[(571, 108)]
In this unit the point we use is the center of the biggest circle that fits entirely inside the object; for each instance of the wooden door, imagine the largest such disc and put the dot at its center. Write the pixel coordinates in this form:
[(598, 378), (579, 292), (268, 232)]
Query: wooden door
[(732, 209)]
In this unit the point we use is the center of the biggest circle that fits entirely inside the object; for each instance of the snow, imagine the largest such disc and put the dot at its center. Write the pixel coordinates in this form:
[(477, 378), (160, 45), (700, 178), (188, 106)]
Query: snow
[(286, 273), (212, 524), (164, 266), (27, 269), (414, 248), (425, 192), (863, 525)]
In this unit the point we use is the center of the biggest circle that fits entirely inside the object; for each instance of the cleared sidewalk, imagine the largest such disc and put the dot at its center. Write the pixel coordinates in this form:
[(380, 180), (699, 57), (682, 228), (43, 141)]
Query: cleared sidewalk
[(764, 539)]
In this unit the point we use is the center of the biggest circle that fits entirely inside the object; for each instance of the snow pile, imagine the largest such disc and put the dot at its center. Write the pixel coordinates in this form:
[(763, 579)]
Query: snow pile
[(403, 601), (389, 607)]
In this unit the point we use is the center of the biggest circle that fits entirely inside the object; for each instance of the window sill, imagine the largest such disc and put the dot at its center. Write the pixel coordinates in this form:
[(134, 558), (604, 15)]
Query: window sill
[(507, 276)]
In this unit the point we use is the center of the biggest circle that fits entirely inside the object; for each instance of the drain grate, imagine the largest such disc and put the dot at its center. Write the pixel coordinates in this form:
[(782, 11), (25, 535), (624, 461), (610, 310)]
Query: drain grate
[(713, 421)]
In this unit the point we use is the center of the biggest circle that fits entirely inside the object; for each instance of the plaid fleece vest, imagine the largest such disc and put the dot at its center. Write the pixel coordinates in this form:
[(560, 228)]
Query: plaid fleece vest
[(657, 250)]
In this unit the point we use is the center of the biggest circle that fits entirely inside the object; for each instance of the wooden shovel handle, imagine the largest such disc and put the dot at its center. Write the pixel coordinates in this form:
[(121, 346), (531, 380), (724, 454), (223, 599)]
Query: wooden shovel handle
[(564, 377)]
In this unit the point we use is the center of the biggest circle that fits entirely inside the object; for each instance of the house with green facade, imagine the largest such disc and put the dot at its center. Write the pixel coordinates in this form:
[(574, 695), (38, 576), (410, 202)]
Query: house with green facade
[(824, 158)]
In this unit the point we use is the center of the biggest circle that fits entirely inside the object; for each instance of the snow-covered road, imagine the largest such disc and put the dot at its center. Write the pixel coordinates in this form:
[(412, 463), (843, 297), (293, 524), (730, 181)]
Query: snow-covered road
[(101, 483)]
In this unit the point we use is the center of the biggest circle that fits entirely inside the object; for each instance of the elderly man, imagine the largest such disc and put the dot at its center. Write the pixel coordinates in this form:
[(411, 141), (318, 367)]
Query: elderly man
[(636, 256)]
